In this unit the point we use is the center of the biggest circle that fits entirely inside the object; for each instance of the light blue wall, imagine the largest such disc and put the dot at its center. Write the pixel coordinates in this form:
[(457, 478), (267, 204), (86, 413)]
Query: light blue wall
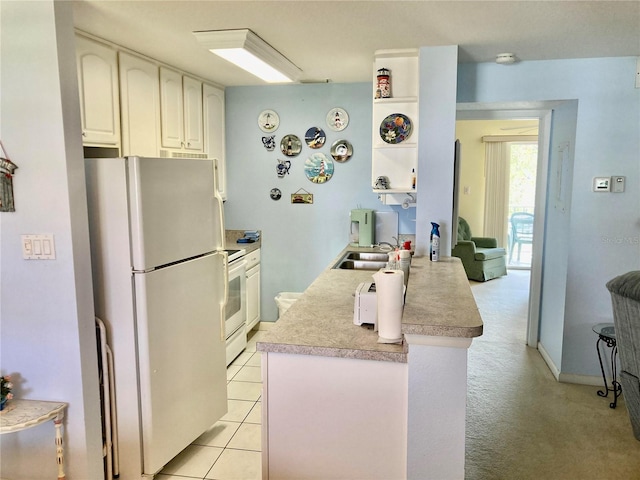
[(298, 241), (604, 229)]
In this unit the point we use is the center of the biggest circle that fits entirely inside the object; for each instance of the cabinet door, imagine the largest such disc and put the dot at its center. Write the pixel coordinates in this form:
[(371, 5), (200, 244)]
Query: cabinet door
[(140, 105), (171, 102), (253, 296), (98, 87), (213, 113), (192, 94)]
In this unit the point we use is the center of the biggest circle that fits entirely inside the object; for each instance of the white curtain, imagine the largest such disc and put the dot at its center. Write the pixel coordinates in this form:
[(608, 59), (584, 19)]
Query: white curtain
[(496, 198)]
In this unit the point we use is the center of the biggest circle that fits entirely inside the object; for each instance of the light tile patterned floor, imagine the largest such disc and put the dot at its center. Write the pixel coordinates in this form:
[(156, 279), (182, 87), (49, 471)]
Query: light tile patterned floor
[(230, 449)]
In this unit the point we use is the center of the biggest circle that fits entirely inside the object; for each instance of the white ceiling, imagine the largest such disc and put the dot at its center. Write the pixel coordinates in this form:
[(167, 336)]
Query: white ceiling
[(336, 40)]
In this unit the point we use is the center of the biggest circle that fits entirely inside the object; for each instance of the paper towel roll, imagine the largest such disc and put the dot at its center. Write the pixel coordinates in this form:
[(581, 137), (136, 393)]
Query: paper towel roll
[(390, 300)]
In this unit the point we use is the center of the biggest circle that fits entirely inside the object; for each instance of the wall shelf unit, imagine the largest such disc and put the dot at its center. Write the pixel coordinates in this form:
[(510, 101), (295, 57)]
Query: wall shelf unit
[(396, 161)]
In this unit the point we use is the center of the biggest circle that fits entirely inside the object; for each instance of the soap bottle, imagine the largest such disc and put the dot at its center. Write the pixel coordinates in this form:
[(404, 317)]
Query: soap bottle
[(413, 178), (434, 249)]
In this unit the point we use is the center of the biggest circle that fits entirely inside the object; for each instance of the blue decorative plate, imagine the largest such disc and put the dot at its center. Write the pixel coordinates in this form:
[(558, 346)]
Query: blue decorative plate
[(395, 128), (315, 137)]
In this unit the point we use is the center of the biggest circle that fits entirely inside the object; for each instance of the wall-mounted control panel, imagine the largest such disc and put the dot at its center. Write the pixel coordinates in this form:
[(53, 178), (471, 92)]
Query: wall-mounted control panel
[(609, 184), (38, 247)]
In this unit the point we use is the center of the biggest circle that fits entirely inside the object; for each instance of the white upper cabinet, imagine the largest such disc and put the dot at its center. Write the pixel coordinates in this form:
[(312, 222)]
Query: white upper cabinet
[(181, 111), (193, 133), (214, 132), (140, 106), (99, 96)]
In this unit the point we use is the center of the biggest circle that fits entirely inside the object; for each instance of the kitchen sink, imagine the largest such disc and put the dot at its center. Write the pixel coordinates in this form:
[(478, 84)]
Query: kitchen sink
[(362, 261), (360, 265), (378, 257)]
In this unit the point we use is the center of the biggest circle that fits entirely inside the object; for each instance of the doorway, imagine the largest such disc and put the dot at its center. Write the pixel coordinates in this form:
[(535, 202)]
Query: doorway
[(523, 116), (523, 160)]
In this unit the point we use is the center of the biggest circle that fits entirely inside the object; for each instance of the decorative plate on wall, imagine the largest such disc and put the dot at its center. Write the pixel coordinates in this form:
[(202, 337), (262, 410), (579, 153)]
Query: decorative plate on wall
[(318, 168), (268, 121), (395, 128), (337, 119), (315, 137), (341, 150), (275, 194), (290, 145)]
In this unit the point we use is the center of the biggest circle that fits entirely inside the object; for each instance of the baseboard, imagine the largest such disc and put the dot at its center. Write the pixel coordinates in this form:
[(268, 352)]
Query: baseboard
[(547, 359), (592, 380)]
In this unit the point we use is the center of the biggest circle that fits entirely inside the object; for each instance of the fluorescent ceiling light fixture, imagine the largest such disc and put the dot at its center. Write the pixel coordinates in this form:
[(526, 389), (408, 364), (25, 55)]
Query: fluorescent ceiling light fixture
[(248, 51)]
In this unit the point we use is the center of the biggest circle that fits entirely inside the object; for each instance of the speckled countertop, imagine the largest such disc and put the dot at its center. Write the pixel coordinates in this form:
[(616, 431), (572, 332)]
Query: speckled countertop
[(439, 302), (231, 237)]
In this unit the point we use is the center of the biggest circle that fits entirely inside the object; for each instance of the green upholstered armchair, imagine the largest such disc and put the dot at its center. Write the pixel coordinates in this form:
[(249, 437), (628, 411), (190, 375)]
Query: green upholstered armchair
[(481, 257)]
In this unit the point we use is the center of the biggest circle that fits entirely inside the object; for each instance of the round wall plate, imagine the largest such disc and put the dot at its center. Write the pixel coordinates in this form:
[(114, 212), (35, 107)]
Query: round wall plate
[(341, 150), (337, 119), (275, 194), (315, 137), (268, 121), (318, 168), (290, 145)]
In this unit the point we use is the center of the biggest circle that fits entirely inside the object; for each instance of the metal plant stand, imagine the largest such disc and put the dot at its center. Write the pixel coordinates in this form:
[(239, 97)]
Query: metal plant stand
[(606, 333)]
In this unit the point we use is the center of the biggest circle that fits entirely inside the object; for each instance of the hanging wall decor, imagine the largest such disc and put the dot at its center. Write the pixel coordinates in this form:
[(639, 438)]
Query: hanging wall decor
[(290, 145), (341, 150), (302, 197), (315, 137), (318, 168), (337, 119), (275, 194), (269, 142), (7, 167), (268, 121), (283, 167)]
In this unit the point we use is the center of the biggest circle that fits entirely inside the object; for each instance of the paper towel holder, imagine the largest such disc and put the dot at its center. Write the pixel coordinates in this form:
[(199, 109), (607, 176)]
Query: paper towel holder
[(410, 201)]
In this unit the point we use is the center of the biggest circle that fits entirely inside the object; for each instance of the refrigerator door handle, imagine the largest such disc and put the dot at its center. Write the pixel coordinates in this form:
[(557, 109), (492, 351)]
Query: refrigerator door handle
[(219, 201), (223, 305)]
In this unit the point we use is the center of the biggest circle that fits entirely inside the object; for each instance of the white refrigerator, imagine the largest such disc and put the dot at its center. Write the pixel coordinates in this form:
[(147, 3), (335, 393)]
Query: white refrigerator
[(159, 269)]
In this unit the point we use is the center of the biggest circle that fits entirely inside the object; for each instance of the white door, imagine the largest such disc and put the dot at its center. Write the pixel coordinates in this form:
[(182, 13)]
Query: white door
[(181, 355), (175, 213)]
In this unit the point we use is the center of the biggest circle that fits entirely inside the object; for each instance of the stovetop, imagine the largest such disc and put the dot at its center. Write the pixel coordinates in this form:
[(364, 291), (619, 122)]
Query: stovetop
[(235, 254)]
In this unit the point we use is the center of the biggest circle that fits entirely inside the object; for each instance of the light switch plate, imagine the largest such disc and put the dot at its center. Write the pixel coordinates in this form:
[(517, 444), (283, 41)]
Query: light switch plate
[(602, 184), (617, 184), (38, 247)]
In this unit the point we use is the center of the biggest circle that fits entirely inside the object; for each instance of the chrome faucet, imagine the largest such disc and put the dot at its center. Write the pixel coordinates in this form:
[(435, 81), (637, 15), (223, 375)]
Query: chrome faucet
[(397, 245)]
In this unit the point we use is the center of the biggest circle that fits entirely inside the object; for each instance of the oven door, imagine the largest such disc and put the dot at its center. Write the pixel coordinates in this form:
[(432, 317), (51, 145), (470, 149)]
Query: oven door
[(235, 311)]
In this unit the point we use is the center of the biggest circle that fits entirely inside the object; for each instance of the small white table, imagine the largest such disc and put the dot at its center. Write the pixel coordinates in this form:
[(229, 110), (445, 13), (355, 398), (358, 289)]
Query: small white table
[(20, 414)]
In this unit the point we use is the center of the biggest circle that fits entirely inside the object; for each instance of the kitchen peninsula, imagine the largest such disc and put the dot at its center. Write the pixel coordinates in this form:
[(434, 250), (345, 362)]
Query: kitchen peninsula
[(338, 404)]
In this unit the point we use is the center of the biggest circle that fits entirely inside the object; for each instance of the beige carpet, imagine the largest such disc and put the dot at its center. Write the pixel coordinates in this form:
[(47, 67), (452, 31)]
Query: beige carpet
[(521, 423)]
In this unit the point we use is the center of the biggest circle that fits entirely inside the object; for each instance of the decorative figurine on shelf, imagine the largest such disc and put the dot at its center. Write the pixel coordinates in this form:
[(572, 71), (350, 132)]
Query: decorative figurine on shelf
[(382, 183), (384, 83)]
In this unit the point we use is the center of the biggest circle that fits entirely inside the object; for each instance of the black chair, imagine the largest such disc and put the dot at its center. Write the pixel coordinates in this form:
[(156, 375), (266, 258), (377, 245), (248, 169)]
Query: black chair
[(521, 232)]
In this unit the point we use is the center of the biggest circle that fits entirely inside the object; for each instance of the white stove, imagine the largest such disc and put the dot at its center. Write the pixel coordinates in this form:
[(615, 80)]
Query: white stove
[(236, 307)]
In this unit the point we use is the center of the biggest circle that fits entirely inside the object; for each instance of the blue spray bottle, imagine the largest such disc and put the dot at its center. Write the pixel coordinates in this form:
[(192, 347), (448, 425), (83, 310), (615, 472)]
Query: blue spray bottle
[(434, 249)]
